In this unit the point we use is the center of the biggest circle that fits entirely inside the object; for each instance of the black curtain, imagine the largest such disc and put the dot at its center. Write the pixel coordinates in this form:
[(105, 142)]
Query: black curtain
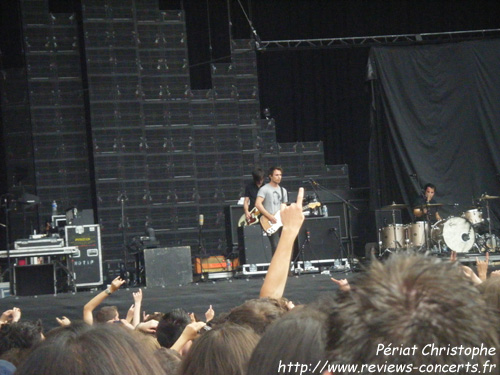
[(435, 113)]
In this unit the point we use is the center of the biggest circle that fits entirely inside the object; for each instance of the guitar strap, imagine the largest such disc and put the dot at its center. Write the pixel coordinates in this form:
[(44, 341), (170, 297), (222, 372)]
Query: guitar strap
[(282, 195)]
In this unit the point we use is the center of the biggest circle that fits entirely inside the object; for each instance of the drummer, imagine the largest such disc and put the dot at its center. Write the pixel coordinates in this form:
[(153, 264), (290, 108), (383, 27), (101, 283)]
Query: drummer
[(420, 211)]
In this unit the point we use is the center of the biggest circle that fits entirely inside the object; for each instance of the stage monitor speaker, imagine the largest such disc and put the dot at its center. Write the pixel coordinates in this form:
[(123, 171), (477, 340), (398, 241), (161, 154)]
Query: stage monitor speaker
[(257, 246), (324, 237), (168, 266), (338, 209), (35, 279), (384, 218)]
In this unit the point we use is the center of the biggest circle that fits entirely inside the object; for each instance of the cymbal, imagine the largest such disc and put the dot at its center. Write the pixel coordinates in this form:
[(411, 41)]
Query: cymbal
[(486, 197), (394, 206), (424, 205)]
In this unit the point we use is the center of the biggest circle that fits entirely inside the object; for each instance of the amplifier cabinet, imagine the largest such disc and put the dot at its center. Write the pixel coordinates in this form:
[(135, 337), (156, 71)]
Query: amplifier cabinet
[(88, 260), (168, 266)]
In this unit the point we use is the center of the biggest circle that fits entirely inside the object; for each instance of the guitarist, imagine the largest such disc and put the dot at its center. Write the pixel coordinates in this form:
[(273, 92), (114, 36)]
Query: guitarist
[(269, 200), (251, 191)]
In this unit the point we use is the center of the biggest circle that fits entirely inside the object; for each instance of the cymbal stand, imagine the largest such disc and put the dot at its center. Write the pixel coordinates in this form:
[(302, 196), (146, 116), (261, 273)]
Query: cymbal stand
[(397, 245), (489, 227), (428, 229)]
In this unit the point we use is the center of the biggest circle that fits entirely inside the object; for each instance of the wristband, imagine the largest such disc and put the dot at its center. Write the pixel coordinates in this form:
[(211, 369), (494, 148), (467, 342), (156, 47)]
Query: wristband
[(108, 292)]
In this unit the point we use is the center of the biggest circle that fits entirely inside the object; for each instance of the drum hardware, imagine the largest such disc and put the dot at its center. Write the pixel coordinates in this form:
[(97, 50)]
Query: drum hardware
[(487, 198)]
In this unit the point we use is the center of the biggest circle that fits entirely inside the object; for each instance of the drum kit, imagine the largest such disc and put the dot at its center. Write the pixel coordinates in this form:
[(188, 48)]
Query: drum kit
[(469, 232)]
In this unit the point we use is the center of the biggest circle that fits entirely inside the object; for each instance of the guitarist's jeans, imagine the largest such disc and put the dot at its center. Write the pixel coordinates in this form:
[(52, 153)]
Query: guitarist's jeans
[(274, 239)]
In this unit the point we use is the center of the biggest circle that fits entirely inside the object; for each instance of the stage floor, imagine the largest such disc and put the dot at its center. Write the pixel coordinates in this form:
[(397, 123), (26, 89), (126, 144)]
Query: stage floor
[(195, 297)]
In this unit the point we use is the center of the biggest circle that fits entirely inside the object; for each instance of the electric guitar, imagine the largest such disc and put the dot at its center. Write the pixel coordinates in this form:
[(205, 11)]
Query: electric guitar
[(254, 218), (271, 228)]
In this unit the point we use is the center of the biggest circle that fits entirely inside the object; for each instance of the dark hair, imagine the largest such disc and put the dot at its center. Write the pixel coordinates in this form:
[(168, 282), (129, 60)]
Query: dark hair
[(20, 335), (257, 175), (106, 313), (225, 350), (274, 168), (171, 326), (432, 186), (412, 300), (298, 337), (102, 349), (75, 328), (257, 313), (154, 316)]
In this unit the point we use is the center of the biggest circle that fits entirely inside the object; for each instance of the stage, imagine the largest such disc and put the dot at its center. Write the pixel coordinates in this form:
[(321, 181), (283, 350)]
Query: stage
[(196, 297)]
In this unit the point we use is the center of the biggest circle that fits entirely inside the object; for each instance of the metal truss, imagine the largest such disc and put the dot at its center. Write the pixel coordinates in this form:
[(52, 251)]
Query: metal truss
[(366, 41)]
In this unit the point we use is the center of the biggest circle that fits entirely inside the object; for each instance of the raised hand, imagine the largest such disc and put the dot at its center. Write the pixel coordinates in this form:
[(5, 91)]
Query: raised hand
[(116, 284), (209, 315), (137, 296), (63, 321), (343, 284), (292, 216)]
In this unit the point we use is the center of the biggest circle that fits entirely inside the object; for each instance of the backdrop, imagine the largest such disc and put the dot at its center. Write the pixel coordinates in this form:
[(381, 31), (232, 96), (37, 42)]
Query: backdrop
[(436, 114)]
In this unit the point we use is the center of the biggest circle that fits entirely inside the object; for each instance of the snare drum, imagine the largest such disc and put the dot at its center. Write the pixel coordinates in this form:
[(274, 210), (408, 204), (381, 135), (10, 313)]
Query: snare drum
[(416, 233), (474, 216), (393, 236)]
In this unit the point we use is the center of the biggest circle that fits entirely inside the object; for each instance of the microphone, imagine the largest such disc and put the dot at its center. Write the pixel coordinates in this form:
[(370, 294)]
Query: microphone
[(308, 235), (201, 219)]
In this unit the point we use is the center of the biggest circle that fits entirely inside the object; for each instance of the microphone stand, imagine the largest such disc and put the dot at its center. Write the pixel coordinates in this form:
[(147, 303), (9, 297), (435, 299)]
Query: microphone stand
[(202, 252), (349, 207), (122, 198), (301, 254), (342, 252)]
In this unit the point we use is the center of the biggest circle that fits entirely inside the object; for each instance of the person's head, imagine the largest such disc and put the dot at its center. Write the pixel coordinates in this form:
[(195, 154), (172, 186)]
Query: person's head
[(154, 316), (275, 174), (107, 314), (490, 291), (171, 326), (258, 176), (298, 337), (429, 191), (411, 301), (20, 335), (258, 313), (224, 350), (168, 359), (102, 349)]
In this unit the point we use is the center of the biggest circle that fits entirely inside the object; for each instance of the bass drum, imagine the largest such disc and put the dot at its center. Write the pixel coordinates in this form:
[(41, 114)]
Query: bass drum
[(454, 233)]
